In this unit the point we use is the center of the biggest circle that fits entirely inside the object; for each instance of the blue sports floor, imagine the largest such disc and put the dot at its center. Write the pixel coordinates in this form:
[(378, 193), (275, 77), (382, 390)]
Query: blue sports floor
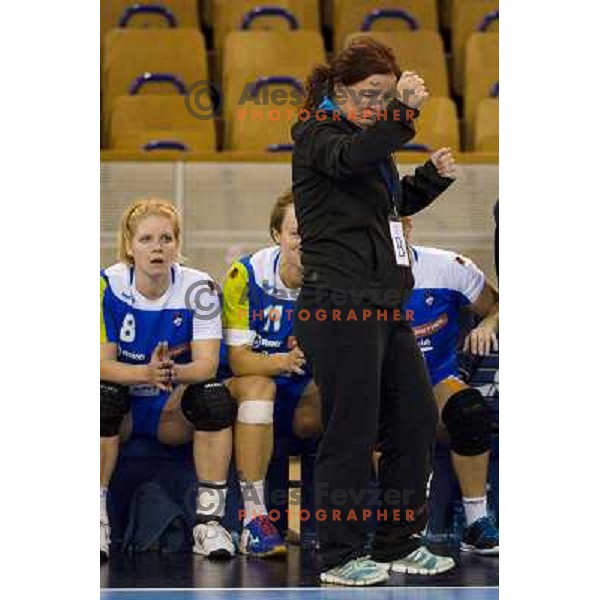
[(154, 576), (383, 593)]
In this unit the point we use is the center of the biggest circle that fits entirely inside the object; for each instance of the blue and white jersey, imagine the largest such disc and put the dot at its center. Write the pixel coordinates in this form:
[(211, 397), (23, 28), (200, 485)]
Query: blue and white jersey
[(444, 283), (258, 308), (188, 311)]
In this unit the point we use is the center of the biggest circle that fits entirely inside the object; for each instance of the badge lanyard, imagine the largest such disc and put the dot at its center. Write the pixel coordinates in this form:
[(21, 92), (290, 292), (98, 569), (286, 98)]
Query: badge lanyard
[(396, 230)]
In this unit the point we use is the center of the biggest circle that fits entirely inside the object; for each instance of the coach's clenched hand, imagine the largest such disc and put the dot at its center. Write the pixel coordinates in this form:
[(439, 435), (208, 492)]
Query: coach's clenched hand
[(411, 89), (444, 162)]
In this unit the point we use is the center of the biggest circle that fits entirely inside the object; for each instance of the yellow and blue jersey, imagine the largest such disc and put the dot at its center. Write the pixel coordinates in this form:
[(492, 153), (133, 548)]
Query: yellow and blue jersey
[(258, 308), (445, 282)]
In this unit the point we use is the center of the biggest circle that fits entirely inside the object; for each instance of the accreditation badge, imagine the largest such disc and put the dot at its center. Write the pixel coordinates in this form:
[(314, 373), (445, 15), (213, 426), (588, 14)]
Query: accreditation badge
[(399, 242)]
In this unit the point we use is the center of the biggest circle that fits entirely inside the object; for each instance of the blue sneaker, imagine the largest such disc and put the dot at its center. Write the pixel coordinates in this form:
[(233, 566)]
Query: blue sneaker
[(481, 537), (359, 571), (261, 538)]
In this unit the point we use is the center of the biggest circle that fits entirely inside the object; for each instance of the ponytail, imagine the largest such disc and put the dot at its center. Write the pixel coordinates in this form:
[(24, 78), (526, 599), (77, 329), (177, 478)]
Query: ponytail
[(318, 85)]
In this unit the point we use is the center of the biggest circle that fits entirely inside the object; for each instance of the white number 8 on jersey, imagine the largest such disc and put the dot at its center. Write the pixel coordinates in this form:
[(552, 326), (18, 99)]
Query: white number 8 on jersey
[(128, 329)]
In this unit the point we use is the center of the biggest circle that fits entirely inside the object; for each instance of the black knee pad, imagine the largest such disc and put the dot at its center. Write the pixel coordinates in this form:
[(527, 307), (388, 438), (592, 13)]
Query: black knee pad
[(114, 405), (468, 421), (209, 406)]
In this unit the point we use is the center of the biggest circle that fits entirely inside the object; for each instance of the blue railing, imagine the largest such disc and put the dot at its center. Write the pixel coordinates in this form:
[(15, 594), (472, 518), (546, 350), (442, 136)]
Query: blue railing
[(280, 147), (148, 78), (488, 20), (147, 9), (275, 79), (269, 11), (389, 13), (165, 145), (415, 148)]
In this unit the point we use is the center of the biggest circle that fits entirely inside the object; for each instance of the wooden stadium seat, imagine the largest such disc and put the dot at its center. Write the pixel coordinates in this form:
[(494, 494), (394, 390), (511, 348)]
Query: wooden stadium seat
[(437, 125), (237, 103), (487, 126), (420, 51), (272, 52), (481, 76), (259, 127), (467, 16), (228, 15), (349, 15), (130, 53), (184, 12), (137, 120)]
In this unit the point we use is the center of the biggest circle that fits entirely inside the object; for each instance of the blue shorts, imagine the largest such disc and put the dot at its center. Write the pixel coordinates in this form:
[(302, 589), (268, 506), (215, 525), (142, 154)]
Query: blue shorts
[(145, 413), (289, 392)]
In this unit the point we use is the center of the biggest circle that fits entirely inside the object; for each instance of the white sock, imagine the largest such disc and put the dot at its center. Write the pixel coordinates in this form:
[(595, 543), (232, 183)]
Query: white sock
[(475, 508), (210, 500), (103, 511), (253, 493)]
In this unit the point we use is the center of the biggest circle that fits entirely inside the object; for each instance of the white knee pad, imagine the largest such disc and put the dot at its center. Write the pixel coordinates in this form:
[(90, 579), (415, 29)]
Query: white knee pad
[(255, 412)]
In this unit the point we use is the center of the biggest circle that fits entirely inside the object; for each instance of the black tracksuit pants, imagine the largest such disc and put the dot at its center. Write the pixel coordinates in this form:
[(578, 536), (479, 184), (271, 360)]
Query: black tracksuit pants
[(374, 387)]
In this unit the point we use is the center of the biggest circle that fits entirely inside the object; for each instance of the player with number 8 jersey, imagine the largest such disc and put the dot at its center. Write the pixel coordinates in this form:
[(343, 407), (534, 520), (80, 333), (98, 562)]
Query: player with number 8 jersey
[(160, 331)]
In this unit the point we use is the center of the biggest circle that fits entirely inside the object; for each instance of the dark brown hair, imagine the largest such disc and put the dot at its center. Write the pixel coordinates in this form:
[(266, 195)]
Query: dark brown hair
[(278, 212), (363, 57)]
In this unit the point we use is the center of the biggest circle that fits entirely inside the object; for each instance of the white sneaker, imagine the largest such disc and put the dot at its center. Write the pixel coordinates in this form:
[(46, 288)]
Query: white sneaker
[(422, 562), (104, 541), (213, 541)]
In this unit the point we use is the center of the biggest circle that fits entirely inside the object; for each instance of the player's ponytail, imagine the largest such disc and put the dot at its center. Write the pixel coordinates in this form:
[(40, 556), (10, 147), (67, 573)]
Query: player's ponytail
[(134, 213)]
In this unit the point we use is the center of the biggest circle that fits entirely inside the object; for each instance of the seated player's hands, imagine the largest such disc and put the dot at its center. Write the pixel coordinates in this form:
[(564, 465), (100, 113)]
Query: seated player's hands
[(444, 162), (293, 361), (481, 340), (160, 368), (411, 89)]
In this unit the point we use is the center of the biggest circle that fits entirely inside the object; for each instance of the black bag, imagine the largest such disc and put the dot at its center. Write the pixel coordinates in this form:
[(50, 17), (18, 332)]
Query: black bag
[(155, 522)]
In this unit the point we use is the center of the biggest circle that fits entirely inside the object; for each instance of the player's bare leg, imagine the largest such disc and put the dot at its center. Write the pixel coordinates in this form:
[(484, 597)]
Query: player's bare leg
[(471, 472), (253, 442), (212, 456), (307, 417)]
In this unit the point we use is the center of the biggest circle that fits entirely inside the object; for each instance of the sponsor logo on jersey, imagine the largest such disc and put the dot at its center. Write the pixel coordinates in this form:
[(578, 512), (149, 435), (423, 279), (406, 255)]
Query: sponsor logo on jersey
[(132, 355), (432, 327), (260, 342), (429, 299), (177, 320)]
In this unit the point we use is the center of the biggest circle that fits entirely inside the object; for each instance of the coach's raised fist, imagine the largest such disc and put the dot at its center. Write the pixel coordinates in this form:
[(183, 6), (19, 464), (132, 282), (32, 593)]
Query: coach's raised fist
[(411, 89), (444, 162)]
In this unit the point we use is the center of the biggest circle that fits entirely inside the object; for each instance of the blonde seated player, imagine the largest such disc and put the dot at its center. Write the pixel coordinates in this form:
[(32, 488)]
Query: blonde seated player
[(159, 354), (445, 282), (275, 392)]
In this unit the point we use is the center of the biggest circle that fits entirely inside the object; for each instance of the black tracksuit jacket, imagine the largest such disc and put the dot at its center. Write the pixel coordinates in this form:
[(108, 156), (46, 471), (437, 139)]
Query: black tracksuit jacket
[(343, 201)]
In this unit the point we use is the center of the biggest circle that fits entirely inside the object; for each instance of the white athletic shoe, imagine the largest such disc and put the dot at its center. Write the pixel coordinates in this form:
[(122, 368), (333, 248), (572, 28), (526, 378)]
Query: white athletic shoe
[(213, 541), (422, 562), (104, 541)]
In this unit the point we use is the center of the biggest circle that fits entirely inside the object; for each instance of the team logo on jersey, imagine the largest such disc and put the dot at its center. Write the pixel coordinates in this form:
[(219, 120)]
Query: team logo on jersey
[(429, 299), (177, 320), (127, 333)]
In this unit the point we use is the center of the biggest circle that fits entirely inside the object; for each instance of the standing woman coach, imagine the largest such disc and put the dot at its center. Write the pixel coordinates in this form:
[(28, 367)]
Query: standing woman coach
[(369, 370)]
